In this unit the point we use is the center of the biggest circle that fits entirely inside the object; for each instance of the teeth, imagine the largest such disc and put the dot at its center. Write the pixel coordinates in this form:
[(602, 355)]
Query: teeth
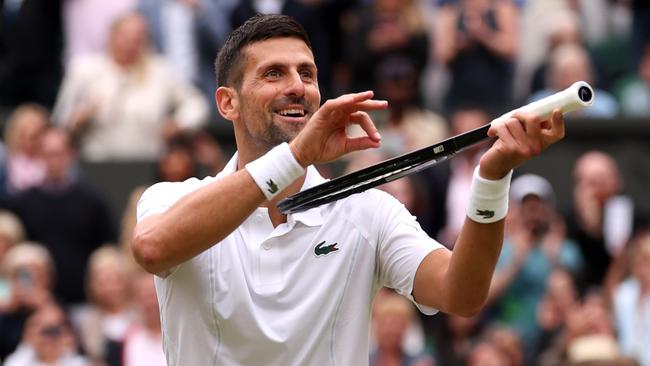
[(286, 112)]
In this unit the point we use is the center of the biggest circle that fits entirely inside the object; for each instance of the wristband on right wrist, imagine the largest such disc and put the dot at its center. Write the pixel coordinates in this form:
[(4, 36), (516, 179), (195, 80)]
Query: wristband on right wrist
[(488, 201)]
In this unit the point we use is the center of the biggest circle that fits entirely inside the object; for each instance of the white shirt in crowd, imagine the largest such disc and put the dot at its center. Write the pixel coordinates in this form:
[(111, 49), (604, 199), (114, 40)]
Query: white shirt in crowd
[(297, 294), (25, 355), (132, 106), (143, 348)]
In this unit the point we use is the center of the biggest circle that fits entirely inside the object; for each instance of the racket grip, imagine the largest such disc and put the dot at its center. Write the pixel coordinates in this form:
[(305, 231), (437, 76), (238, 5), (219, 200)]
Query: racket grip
[(577, 96)]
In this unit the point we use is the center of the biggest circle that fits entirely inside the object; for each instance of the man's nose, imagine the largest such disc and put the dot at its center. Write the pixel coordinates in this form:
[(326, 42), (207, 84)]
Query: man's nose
[(296, 85)]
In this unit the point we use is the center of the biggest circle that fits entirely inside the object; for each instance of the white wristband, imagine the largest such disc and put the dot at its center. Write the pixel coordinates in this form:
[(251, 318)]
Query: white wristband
[(488, 200), (275, 170)]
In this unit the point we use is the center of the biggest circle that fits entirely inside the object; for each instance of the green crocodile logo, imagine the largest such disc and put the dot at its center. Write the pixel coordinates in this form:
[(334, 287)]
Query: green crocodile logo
[(321, 249), (486, 214), (272, 186)]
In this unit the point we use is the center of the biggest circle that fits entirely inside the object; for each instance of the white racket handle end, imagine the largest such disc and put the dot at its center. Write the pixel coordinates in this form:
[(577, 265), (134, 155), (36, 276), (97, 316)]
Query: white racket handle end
[(578, 96)]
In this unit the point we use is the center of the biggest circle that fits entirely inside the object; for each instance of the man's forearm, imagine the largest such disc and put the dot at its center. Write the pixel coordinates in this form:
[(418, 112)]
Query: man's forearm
[(472, 265), (196, 222)]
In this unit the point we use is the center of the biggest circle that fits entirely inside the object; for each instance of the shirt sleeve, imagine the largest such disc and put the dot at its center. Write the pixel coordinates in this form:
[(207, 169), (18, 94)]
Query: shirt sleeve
[(402, 245), (155, 200)]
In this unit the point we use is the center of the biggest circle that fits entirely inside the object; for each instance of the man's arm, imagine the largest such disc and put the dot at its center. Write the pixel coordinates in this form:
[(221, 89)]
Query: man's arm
[(458, 282), (195, 222), (206, 216)]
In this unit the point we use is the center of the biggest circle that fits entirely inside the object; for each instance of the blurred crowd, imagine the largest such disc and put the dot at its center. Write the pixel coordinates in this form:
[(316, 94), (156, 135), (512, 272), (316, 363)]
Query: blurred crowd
[(133, 81)]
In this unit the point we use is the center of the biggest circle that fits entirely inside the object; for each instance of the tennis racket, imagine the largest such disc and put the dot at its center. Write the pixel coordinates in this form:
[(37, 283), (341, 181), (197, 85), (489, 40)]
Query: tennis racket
[(577, 96)]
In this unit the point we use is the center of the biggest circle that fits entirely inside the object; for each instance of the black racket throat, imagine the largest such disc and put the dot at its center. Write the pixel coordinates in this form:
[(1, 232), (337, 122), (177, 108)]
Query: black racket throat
[(382, 172)]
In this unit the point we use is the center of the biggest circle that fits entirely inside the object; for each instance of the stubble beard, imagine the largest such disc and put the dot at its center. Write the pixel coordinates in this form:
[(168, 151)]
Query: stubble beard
[(275, 134)]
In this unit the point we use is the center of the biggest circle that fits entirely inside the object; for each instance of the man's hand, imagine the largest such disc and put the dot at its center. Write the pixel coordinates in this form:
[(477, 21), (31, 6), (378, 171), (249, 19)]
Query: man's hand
[(324, 138), (520, 138)]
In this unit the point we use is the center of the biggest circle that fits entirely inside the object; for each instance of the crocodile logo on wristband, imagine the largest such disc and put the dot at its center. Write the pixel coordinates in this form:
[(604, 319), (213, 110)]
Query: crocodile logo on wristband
[(272, 186), (486, 214)]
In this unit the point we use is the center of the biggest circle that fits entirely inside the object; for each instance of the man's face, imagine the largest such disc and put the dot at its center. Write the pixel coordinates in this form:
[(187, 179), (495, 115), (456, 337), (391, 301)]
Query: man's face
[(278, 92), (57, 153), (536, 215)]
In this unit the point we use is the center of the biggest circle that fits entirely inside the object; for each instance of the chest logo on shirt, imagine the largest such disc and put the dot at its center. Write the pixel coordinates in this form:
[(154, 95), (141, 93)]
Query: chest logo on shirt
[(322, 249)]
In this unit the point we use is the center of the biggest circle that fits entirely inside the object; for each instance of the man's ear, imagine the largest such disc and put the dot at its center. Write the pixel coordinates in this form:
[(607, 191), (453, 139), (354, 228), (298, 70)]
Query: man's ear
[(227, 101)]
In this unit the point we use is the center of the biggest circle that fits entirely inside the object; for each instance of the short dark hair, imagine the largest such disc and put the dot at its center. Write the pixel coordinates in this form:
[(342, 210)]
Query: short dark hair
[(260, 27)]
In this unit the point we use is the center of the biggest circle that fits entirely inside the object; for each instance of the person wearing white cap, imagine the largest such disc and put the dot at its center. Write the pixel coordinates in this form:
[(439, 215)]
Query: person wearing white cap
[(535, 243)]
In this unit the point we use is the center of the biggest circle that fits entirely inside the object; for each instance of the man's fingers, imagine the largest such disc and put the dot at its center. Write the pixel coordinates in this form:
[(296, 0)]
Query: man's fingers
[(371, 105), (349, 103), (364, 121), (501, 131), (532, 141), (556, 131), (360, 143)]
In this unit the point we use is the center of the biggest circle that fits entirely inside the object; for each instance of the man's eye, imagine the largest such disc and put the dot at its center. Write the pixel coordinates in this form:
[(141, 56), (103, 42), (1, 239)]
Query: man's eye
[(306, 75), (273, 74)]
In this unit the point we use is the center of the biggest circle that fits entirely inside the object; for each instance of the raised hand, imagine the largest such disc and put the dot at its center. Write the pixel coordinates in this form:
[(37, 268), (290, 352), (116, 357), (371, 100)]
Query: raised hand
[(325, 138), (519, 139)]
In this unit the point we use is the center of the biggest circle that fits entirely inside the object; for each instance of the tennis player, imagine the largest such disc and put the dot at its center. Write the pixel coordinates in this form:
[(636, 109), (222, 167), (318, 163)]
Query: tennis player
[(241, 284)]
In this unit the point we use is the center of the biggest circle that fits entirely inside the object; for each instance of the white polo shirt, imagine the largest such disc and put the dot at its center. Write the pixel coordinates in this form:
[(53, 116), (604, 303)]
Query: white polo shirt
[(296, 294)]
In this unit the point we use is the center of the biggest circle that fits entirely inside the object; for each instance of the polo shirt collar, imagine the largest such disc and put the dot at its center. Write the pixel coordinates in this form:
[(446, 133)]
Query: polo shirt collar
[(310, 217)]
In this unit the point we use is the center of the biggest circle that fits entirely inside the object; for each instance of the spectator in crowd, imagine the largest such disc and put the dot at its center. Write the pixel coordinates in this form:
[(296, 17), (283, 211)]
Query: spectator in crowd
[(560, 299), (631, 304), (392, 316), (640, 33), (452, 337), (189, 33), (404, 126), (143, 344), (486, 353), (177, 162), (602, 218), (208, 152), (12, 232), (103, 322), (507, 340), (48, 340), (31, 274), (24, 165), (634, 93), (570, 63), (123, 105), (383, 30), (30, 52), (477, 40), (535, 243), (589, 337), (87, 23), (563, 30), (66, 214)]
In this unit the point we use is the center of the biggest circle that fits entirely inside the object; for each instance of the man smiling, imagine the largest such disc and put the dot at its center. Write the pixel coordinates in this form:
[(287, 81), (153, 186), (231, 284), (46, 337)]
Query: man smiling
[(238, 282)]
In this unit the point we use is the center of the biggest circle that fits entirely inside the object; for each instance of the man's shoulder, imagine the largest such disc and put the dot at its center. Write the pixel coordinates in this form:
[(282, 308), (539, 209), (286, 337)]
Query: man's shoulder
[(365, 207), (176, 188), (162, 195)]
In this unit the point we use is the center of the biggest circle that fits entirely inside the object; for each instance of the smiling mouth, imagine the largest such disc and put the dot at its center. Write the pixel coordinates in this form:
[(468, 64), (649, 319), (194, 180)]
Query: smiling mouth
[(292, 112)]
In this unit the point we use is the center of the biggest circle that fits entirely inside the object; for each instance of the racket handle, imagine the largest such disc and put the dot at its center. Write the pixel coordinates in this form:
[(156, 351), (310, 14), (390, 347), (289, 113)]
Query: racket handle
[(577, 96)]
